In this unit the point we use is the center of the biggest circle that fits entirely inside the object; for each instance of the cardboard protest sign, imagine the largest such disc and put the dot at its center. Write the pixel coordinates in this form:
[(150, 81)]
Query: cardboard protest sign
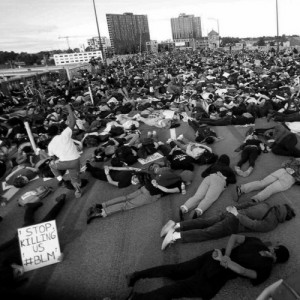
[(150, 158), (39, 245)]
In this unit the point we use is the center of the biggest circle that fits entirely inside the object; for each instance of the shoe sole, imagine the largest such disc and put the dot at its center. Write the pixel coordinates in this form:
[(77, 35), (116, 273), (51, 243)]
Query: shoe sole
[(164, 247), (170, 224)]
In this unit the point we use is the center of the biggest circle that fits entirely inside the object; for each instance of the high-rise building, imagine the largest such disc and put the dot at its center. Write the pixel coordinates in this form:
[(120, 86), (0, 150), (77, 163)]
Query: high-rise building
[(186, 28), (94, 44), (128, 33)]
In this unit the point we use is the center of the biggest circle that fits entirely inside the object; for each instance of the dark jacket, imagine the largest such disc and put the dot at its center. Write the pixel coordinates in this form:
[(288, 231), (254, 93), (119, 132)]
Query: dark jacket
[(222, 166)]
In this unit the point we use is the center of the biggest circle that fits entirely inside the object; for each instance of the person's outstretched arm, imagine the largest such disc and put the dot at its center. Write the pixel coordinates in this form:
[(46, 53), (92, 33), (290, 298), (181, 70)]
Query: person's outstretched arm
[(71, 117)]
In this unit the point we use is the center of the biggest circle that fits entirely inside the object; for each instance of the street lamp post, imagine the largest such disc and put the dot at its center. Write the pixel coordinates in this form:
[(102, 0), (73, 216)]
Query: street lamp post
[(277, 27), (100, 43)]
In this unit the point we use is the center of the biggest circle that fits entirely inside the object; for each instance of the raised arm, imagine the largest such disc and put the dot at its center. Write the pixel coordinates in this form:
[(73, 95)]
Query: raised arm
[(71, 117)]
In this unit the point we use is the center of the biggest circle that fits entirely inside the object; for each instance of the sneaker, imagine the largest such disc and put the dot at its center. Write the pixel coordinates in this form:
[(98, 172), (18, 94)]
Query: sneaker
[(149, 135), (249, 131), (195, 216), (237, 168), (93, 216), (182, 211), (170, 225), (180, 137), (131, 279), (198, 212), (66, 184), (169, 239), (154, 133), (136, 117), (239, 171), (61, 197), (248, 172), (78, 194), (238, 192), (99, 206), (181, 218), (90, 211), (84, 182)]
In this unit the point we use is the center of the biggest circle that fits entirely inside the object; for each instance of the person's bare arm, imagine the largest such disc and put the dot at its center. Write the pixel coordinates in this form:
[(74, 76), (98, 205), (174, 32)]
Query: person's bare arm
[(227, 263), (71, 117), (234, 240)]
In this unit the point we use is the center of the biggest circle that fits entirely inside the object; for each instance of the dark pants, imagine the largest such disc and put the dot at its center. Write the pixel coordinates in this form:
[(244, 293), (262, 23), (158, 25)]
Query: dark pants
[(287, 147), (248, 153), (192, 279), (97, 173), (222, 122), (284, 117), (201, 229)]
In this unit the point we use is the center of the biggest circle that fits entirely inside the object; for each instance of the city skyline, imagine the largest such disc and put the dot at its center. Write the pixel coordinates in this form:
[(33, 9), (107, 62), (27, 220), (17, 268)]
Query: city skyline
[(33, 26)]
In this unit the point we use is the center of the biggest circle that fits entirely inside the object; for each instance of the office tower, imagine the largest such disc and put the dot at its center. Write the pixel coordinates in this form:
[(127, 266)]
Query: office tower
[(186, 28), (128, 33)]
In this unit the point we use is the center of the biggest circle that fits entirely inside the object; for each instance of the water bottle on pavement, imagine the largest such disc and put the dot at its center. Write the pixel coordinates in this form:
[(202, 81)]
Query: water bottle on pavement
[(183, 190)]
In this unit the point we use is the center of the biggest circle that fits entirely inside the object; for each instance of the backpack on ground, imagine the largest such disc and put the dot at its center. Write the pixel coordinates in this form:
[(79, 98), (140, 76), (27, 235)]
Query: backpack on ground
[(34, 195)]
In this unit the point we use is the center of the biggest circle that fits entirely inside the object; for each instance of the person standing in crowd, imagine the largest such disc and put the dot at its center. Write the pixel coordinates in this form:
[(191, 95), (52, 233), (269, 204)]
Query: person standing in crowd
[(205, 275), (63, 148)]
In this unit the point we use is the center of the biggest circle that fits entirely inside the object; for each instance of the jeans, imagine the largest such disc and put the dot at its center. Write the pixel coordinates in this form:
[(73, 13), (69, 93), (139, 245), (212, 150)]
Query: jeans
[(276, 182), (73, 166), (190, 276), (208, 192), (201, 229), (138, 198)]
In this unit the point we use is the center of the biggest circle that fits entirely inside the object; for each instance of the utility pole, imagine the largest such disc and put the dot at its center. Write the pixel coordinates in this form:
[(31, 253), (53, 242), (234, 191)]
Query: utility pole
[(140, 42), (100, 43), (277, 27)]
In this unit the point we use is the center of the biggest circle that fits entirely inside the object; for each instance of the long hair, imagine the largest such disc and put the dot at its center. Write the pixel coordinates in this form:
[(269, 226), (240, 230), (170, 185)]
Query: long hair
[(143, 177)]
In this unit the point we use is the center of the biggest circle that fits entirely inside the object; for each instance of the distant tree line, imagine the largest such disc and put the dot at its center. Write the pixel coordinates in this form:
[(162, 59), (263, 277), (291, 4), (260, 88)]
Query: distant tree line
[(261, 41), (12, 59)]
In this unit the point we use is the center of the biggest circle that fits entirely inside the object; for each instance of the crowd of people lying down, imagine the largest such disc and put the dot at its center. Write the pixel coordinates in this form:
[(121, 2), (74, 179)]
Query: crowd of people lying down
[(201, 88)]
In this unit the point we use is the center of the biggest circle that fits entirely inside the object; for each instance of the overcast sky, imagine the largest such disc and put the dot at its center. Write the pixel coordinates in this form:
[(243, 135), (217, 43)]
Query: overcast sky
[(35, 25)]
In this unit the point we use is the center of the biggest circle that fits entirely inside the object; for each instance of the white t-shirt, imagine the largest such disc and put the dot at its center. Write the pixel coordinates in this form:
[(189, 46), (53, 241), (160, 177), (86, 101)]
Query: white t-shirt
[(63, 147)]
